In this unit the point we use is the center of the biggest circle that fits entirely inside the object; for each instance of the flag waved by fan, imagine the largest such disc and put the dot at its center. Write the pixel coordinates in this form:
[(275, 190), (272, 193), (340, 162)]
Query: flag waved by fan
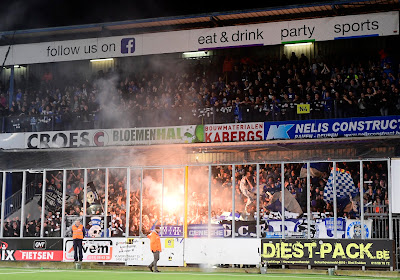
[(346, 190), (317, 169)]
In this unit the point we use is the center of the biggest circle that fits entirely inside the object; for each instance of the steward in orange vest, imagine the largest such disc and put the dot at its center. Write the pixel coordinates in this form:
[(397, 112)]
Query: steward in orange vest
[(155, 247), (78, 233)]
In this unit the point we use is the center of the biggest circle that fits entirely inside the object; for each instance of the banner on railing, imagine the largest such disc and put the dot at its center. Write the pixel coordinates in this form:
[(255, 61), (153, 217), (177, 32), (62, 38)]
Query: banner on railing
[(209, 133), (98, 250), (320, 228), (328, 252), (293, 228), (333, 128), (236, 132), (132, 251), (171, 231), (114, 137), (201, 230)]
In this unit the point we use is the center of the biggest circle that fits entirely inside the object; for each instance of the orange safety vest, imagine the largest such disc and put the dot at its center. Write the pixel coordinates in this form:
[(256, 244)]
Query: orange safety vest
[(155, 242), (77, 232)]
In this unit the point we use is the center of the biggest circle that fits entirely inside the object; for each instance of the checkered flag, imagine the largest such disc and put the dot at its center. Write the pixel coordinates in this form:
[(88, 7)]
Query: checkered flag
[(344, 186)]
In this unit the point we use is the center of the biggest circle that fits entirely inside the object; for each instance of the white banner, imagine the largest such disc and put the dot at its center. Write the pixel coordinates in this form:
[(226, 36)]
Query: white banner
[(12, 141), (131, 251), (99, 250), (395, 187), (222, 251), (111, 137), (321, 29), (354, 229)]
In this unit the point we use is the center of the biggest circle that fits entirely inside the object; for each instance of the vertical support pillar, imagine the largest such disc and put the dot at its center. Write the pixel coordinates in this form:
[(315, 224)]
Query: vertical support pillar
[(362, 200), (308, 201), (64, 195), (361, 191), (283, 198), (11, 88), (3, 202), (185, 226), (334, 201), (162, 202), (209, 201), (258, 201), (106, 204), (23, 201), (390, 188), (141, 202), (44, 186), (233, 200), (128, 201), (85, 182)]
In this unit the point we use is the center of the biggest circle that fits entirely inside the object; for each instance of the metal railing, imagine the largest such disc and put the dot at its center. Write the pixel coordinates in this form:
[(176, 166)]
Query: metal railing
[(380, 230), (376, 210), (396, 236), (14, 202), (159, 117)]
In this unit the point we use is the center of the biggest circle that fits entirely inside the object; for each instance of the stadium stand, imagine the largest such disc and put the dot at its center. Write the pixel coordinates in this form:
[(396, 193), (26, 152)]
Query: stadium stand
[(219, 89), (259, 89)]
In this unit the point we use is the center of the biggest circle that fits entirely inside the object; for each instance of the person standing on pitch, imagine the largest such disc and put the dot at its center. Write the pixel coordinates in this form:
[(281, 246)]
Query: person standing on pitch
[(78, 232), (155, 247)]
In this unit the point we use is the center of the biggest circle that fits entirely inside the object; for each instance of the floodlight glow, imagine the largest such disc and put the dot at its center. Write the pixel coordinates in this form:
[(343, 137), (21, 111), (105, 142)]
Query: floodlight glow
[(298, 44), (101, 59)]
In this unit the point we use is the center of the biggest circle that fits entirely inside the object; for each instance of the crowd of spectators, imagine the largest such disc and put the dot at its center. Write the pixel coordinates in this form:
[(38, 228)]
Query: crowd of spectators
[(375, 197), (375, 194), (32, 220), (234, 90), (375, 191), (95, 200), (116, 209), (12, 228), (376, 187)]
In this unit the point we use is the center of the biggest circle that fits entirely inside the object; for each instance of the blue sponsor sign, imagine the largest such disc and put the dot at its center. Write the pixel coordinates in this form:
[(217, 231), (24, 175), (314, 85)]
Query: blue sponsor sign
[(201, 230), (333, 128)]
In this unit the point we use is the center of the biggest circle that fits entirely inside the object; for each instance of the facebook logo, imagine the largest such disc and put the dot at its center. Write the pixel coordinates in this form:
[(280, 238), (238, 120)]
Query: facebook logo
[(128, 45)]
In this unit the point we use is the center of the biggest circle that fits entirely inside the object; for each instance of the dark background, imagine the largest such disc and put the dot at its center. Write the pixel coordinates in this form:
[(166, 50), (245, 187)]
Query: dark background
[(30, 14)]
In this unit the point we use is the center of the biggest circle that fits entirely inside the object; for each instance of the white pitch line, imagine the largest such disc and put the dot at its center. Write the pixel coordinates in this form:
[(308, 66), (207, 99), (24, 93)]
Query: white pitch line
[(203, 274), (19, 272)]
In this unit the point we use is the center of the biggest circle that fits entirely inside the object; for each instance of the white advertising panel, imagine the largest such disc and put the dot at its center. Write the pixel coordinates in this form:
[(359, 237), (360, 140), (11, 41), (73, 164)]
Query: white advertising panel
[(132, 251), (233, 132), (12, 141), (354, 229), (222, 251), (321, 29), (395, 165), (171, 254), (99, 250)]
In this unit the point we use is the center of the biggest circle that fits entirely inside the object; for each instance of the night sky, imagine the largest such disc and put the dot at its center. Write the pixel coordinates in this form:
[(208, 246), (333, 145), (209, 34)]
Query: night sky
[(30, 14)]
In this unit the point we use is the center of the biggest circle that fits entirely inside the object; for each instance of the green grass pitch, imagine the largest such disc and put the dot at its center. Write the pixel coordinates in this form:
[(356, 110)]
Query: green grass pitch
[(51, 274)]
